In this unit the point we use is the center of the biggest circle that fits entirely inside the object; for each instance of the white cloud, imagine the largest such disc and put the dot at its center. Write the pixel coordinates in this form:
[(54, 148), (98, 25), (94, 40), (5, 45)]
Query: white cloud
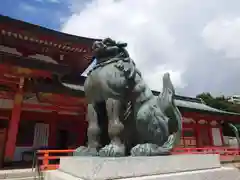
[(224, 35), (49, 1), (27, 7), (54, 1), (155, 79), (149, 38), (165, 36)]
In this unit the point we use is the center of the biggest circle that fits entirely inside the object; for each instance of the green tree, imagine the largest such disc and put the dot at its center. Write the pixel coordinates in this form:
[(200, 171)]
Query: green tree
[(219, 102)]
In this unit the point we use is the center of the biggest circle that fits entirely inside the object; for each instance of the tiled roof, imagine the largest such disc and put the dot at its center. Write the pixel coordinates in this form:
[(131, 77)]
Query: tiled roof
[(36, 29), (197, 104), (181, 102)]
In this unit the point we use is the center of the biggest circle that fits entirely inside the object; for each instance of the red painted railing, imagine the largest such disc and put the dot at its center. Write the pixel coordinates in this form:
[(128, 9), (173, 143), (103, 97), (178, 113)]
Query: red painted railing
[(226, 154), (45, 157), (207, 150)]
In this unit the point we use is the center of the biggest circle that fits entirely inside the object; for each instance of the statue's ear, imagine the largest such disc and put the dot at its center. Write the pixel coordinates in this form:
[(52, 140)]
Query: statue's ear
[(122, 44), (112, 49), (109, 42)]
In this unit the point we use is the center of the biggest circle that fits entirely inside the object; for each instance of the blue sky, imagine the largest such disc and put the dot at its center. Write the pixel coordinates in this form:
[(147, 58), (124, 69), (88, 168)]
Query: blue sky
[(47, 13)]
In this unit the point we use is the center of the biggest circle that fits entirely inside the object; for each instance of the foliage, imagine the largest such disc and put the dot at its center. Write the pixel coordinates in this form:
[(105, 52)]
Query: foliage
[(219, 102)]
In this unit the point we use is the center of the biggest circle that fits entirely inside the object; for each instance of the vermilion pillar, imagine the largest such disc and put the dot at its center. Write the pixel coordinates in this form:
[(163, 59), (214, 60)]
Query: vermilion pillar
[(210, 134), (198, 134), (13, 127)]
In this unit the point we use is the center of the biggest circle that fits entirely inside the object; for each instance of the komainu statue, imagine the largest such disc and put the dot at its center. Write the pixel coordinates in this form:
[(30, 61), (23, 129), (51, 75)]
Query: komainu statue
[(137, 122)]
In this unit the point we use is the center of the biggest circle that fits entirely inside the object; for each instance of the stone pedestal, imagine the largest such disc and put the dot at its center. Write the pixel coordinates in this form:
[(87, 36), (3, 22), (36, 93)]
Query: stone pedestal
[(175, 167)]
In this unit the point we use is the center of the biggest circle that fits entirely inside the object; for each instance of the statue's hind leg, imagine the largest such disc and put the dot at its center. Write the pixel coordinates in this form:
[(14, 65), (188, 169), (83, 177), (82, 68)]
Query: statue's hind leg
[(92, 133), (149, 149), (152, 129), (115, 128)]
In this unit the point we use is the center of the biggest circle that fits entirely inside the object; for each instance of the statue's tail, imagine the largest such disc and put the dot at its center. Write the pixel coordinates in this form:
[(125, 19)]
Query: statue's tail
[(168, 107)]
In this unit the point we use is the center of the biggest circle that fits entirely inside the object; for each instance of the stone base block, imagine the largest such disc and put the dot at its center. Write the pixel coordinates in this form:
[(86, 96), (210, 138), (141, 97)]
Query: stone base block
[(175, 167)]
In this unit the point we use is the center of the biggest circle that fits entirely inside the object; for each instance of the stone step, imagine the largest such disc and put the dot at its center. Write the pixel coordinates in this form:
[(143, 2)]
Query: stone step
[(19, 174), (26, 178), (234, 164), (223, 173)]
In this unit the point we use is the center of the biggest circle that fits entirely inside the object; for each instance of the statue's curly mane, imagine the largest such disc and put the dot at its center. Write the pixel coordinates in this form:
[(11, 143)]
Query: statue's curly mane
[(109, 48)]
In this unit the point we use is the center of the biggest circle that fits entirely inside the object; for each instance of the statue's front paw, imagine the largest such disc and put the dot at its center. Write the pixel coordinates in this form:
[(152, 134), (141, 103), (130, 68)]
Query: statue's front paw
[(85, 151), (112, 150)]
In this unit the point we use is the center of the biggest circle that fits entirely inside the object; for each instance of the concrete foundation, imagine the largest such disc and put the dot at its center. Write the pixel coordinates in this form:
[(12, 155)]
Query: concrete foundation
[(175, 167)]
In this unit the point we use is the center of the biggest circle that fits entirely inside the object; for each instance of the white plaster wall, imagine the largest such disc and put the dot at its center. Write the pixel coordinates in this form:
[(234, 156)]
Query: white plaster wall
[(6, 104), (41, 134), (217, 141)]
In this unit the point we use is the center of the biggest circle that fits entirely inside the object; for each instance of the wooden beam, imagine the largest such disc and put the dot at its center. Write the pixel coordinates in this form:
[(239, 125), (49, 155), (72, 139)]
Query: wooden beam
[(52, 108), (23, 72)]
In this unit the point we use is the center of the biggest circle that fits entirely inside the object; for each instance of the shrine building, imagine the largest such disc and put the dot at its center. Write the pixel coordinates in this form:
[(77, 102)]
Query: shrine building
[(37, 111)]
